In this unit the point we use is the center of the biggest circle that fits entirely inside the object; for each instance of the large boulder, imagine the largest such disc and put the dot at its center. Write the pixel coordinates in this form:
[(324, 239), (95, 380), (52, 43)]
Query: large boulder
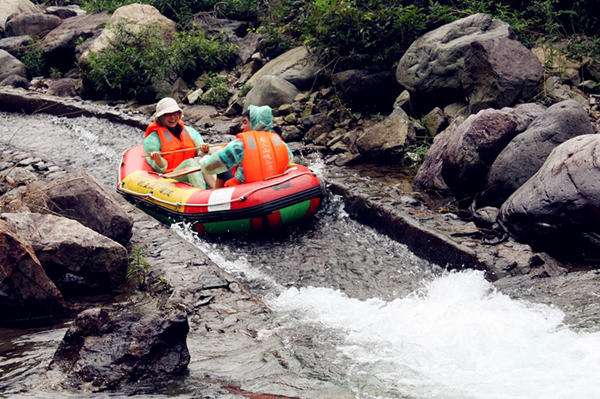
[(15, 45), (297, 66), (524, 155), (76, 258), (133, 18), (460, 156), (272, 91), (499, 72), (557, 208), (365, 90), (476, 143), (31, 24), (104, 349), (433, 65), (26, 292), (60, 44), (80, 197), (9, 66), (388, 137), (10, 7)]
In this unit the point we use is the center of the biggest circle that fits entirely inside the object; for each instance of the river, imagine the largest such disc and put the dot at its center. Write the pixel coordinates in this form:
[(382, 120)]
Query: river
[(358, 307)]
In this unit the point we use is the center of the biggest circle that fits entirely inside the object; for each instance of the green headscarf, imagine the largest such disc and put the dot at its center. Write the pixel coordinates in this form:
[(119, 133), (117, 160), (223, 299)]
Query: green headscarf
[(261, 118)]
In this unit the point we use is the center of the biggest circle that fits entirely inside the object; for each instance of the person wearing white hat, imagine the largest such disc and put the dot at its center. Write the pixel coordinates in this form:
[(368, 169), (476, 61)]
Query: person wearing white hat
[(170, 145)]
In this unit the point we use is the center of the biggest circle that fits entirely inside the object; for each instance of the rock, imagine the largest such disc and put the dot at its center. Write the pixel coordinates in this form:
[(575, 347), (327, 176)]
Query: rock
[(65, 12), (558, 91), (10, 7), (15, 81), (432, 66), (435, 121), (472, 148), (556, 209), (291, 133), (270, 90), (80, 197), (557, 63), (486, 216), (365, 90), (9, 66), (27, 294), (15, 45), (76, 258), (446, 152), (104, 349), (60, 44), (15, 177), (403, 101), (499, 72), (388, 137), (456, 109), (524, 155), (133, 18), (318, 134), (297, 66), (37, 25), (592, 69), (194, 96), (65, 87)]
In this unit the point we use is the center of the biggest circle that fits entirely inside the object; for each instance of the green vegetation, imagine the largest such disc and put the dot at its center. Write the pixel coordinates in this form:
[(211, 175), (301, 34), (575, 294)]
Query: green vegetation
[(217, 91), (34, 59), (364, 33), (138, 269), (137, 63)]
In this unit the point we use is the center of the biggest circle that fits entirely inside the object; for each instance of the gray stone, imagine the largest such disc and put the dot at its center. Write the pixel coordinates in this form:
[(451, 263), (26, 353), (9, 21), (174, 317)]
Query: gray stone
[(524, 155), (104, 349), (31, 24), (434, 63), (65, 12), (10, 7), (66, 248), (272, 91), (65, 87), (389, 136), (16, 44), (435, 121), (499, 72), (9, 65), (296, 66), (556, 209), (28, 295)]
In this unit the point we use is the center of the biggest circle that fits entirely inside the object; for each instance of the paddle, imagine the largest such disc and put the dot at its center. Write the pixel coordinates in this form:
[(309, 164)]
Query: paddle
[(181, 172), (188, 149)]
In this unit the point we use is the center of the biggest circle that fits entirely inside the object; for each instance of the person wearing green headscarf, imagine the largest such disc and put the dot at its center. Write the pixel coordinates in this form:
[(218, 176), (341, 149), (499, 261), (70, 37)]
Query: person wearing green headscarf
[(255, 118)]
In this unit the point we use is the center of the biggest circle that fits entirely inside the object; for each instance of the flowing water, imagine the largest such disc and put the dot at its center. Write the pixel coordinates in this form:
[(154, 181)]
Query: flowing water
[(394, 325)]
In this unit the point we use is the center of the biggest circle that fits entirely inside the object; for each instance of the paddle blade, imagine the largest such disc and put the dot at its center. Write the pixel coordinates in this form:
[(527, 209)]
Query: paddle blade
[(181, 172)]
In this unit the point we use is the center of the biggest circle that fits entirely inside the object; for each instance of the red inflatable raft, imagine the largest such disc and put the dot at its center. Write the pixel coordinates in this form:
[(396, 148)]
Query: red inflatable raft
[(281, 200)]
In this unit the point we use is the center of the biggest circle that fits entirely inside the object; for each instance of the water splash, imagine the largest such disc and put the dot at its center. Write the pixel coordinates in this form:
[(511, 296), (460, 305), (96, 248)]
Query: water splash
[(456, 338)]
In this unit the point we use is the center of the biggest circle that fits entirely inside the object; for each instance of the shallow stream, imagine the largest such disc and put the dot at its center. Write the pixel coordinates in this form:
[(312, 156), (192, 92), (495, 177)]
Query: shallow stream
[(395, 325)]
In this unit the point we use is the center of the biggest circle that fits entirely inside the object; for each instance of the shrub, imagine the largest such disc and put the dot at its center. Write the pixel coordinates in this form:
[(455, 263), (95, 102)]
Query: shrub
[(217, 91), (92, 6), (34, 59), (129, 68), (193, 54)]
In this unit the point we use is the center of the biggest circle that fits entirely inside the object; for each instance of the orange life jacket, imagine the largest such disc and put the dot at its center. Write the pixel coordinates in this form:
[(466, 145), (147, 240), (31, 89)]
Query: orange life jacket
[(265, 155), (168, 142)]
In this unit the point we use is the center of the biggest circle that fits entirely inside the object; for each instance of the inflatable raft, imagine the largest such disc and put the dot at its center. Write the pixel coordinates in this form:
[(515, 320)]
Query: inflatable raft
[(284, 199)]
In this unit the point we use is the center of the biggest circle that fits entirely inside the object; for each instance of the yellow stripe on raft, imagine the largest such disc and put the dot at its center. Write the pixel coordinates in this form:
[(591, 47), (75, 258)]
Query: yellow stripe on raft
[(161, 189)]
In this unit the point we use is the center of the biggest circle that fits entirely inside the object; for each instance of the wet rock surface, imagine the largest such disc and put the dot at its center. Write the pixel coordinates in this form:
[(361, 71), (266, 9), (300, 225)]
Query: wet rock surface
[(76, 258), (526, 153), (107, 348), (556, 208), (28, 295)]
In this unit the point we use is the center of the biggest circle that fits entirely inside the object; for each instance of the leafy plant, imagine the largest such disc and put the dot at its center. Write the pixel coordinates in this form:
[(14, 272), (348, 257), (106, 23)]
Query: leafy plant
[(217, 91), (129, 68), (92, 6), (34, 59), (193, 54), (138, 269)]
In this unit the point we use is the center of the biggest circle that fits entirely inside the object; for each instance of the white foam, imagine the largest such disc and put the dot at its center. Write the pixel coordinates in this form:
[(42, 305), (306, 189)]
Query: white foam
[(458, 338)]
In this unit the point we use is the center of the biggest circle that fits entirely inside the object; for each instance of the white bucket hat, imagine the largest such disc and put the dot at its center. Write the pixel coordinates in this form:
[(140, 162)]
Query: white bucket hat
[(166, 106)]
